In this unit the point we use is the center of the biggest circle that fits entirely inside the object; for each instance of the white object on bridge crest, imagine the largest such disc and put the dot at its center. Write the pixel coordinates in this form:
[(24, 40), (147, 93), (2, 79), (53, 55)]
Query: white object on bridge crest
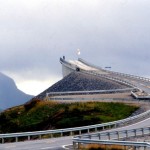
[(78, 52)]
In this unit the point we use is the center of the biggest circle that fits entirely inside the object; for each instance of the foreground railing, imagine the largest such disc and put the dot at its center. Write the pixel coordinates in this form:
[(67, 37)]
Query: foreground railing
[(76, 130), (109, 138)]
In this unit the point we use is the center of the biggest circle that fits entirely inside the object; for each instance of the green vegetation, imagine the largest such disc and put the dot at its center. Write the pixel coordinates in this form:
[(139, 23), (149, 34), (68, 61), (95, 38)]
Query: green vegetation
[(42, 115)]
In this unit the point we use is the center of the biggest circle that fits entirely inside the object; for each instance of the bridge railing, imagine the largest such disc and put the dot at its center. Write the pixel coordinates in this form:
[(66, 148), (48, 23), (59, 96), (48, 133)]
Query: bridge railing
[(76, 130), (115, 72), (108, 138), (90, 92), (111, 137), (110, 78)]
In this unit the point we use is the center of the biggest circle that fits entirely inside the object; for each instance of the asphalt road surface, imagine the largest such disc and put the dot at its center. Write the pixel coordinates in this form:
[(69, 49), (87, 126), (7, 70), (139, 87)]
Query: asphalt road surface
[(59, 143)]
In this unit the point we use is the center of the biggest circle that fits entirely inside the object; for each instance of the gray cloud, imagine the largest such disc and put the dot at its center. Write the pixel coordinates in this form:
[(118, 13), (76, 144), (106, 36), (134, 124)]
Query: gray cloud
[(34, 34)]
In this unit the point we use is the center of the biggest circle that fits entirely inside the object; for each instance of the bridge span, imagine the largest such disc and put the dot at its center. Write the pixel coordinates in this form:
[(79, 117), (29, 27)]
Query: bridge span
[(140, 83), (118, 131)]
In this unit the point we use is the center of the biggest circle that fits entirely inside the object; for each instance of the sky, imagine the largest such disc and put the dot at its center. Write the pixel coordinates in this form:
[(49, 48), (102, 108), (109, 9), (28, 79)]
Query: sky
[(34, 34)]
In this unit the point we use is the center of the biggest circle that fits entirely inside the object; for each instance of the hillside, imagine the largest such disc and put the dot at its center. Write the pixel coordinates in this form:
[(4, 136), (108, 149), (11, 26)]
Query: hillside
[(42, 115), (10, 95), (77, 81)]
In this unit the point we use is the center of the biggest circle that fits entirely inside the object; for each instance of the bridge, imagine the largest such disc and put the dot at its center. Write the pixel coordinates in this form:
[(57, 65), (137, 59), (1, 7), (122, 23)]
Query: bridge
[(118, 132)]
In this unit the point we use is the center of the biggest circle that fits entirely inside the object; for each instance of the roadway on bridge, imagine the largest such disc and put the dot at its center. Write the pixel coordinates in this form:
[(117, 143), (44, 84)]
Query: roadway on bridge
[(141, 84)]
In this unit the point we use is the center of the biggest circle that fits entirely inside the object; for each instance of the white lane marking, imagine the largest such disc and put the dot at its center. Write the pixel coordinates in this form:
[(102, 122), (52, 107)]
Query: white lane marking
[(64, 146), (141, 84), (8, 147), (48, 148)]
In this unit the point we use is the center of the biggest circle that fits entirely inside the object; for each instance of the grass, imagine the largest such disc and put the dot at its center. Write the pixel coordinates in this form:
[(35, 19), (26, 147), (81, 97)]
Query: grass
[(102, 147), (42, 115)]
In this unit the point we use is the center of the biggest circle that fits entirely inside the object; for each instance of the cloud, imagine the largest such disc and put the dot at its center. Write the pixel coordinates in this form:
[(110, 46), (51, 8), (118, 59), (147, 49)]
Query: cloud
[(34, 34)]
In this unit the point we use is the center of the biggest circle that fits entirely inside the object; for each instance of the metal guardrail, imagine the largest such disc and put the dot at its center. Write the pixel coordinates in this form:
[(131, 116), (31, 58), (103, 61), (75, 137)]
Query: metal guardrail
[(72, 131), (108, 138), (140, 96), (123, 74), (75, 99), (110, 78), (90, 92)]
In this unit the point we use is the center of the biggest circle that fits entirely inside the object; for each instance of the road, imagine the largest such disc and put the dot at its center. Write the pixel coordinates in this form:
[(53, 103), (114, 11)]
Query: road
[(45, 144), (60, 143)]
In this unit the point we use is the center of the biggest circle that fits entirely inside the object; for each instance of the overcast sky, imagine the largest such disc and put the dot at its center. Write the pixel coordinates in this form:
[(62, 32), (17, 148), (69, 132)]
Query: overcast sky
[(35, 33)]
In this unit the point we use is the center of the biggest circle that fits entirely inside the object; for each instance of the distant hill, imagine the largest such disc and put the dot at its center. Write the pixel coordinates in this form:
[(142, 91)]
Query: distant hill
[(10, 95), (77, 81)]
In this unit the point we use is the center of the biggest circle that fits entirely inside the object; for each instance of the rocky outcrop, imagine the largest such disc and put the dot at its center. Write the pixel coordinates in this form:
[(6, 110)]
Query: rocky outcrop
[(77, 81)]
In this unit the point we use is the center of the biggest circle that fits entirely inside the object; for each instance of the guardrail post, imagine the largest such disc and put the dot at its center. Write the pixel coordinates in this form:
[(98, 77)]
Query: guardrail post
[(118, 134), (103, 128), (3, 141), (90, 137), (108, 135), (135, 132), (79, 145), (88, 130), (16, 139), (71, 133), (28, 137), (79, 132), (61, 134), (51, 135), (99, 135), (142, 132), (95, 129), (126, 133), (74, 145), (40, 136)]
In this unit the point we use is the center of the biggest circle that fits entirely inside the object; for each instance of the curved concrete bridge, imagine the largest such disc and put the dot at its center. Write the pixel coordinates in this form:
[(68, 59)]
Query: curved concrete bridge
[(139, 125), (140, 83)]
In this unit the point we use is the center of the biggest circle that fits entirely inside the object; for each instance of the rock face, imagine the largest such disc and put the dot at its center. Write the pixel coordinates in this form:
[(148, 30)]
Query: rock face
[(10, 95), (77, 81)]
